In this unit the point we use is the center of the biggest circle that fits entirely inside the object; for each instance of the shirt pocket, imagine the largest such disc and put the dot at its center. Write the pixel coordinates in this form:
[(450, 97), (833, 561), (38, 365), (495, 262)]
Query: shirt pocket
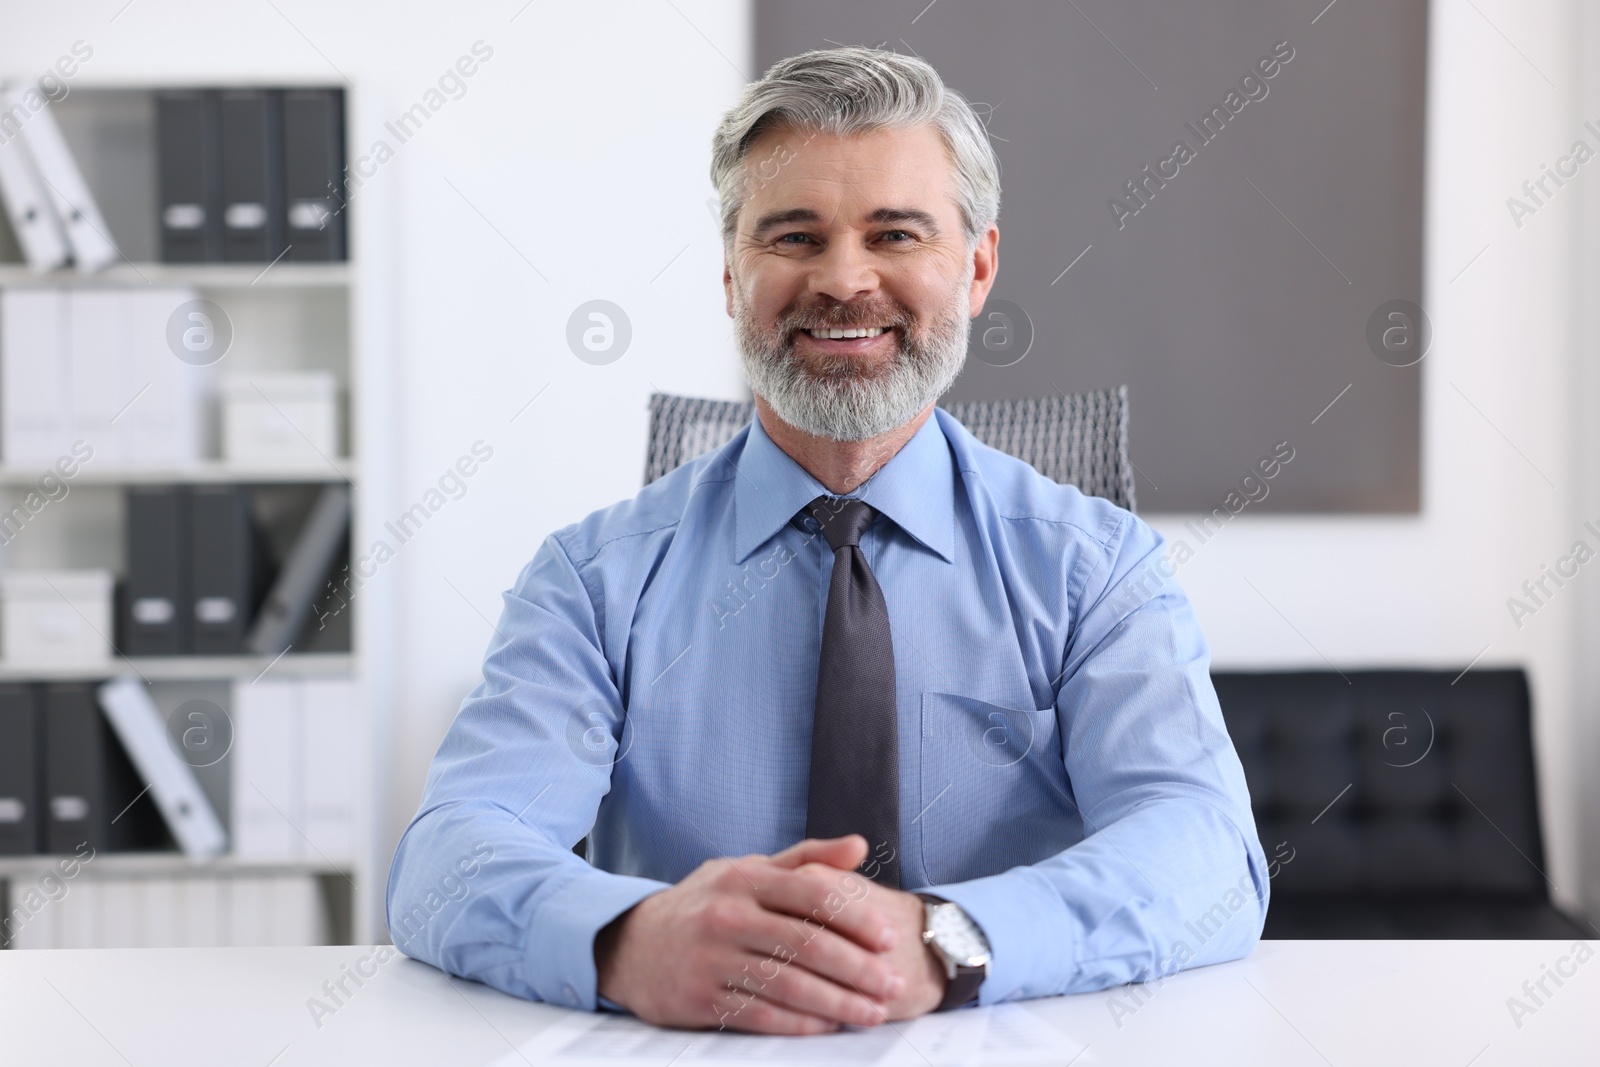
[(994, 788)]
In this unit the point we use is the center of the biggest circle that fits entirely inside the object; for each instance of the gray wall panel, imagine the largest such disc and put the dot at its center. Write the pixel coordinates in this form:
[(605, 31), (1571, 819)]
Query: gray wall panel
[(1235, 303)]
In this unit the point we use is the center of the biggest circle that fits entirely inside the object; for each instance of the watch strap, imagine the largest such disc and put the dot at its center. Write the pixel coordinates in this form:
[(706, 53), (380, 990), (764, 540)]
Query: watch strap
[(962, 989)]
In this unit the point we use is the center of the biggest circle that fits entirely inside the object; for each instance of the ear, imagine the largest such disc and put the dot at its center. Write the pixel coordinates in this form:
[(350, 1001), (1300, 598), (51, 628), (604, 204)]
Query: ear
[(985, 262), (727, 286)]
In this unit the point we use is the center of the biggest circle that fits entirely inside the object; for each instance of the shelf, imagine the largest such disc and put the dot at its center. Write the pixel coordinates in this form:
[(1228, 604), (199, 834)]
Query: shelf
[(286, 316), (180, 668), (161, 864), (201, 275), (205, 471)]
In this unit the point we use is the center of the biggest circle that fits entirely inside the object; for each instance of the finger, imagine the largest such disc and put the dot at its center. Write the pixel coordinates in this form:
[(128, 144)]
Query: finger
[(846, 853), (801, 990), (758, 1015), (840, 901), (824, 953)]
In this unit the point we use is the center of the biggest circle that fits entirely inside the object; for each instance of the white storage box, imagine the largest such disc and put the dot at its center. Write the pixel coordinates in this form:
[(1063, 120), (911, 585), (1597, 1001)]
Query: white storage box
[(280, 419), (51, 617)]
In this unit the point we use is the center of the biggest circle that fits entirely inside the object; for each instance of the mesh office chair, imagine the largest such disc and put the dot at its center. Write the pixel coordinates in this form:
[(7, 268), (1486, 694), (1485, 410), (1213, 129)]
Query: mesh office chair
[(1079, 440)]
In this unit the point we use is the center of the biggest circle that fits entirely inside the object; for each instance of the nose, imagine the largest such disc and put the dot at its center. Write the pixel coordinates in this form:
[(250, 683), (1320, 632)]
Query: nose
[(844, 271)]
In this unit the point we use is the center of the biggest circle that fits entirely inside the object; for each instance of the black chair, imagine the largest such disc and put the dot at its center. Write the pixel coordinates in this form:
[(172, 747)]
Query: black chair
[(1395, 803)]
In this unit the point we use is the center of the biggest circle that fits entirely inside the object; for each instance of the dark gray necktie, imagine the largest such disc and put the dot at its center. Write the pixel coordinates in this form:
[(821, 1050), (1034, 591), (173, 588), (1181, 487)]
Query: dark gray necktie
[(855, 764)]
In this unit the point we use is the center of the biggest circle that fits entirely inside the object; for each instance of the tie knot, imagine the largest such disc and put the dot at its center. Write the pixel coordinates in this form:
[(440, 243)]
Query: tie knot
[(843, 519)]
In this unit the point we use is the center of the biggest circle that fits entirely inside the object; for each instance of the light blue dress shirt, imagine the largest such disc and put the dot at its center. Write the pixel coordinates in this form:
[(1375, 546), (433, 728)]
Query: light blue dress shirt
[(1065, 774)]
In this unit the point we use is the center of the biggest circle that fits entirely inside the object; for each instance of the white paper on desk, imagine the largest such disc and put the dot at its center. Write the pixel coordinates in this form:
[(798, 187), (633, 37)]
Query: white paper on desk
[(953, 1039), (1017, 1035)]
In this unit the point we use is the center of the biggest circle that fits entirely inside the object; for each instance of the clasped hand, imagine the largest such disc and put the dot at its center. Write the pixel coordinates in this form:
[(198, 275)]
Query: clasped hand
[(793, 943)]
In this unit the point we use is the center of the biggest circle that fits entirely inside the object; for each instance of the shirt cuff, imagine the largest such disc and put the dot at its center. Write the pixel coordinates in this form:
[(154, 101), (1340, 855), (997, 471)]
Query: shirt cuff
[(1030, 935), (560, 945)]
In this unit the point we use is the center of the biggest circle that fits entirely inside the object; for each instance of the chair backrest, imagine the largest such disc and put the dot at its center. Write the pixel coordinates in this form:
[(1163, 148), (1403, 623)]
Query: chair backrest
[(1079, 440), (1391, 783)]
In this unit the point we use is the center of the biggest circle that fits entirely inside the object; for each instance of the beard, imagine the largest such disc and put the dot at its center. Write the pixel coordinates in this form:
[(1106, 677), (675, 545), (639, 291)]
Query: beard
[(840, 397)]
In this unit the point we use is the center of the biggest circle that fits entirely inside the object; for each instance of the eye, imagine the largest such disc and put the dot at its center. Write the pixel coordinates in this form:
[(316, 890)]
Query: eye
[(902, 233), (785, 238)]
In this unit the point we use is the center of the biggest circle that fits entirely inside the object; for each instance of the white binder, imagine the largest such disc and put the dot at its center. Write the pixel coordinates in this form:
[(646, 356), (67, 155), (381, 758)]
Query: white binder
[(62, 181), (35, 394), (296, 777), (173, 784), (28, 204), (331, 737), (267, 772), (91, 363)]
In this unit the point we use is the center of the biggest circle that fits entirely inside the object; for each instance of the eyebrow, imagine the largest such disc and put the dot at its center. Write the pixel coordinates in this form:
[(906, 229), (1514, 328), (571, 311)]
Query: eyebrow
[(789, 216)]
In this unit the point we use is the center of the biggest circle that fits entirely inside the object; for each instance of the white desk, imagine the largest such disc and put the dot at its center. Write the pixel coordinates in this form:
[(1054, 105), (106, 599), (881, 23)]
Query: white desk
[(1317, 1003)]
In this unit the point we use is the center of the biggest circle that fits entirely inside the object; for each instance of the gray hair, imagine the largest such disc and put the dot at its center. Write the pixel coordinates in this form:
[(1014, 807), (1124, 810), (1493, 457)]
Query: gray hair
[(852, 90)]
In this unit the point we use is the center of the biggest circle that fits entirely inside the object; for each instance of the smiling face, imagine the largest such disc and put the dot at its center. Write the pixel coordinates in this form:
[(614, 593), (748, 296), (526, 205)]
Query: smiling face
[(850, 280)]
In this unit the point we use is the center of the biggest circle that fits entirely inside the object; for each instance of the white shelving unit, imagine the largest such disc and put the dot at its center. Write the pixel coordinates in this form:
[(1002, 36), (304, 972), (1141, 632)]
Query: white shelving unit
[(286, 316), (161, 865), (203, 275), (187, 668), (205, 471)]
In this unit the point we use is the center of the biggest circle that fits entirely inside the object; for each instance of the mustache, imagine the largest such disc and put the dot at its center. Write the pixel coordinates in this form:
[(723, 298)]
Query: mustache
[(844, 318)]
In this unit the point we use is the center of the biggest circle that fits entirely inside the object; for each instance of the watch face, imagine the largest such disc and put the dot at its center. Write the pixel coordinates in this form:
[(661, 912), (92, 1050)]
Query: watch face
[(958, 936)]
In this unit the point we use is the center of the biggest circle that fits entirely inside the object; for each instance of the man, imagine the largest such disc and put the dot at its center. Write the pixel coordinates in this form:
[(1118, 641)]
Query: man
[(851, 655)]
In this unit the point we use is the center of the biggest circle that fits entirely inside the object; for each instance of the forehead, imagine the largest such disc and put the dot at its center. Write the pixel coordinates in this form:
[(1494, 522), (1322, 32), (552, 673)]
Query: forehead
[(789, 167)]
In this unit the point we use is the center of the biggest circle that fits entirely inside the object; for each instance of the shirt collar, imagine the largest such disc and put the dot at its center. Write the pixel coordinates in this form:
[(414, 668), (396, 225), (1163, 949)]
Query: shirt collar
[(916, 489)]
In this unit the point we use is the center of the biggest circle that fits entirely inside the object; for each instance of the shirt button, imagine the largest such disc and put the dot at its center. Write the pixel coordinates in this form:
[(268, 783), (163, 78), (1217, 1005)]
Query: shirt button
[(571, 994)]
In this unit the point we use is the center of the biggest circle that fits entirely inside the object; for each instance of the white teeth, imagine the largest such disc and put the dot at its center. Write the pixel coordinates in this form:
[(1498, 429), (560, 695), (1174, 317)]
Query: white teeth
[(838, 334)]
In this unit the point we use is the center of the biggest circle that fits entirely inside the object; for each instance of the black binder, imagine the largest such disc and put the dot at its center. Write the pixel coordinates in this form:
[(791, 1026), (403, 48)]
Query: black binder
[(155, 604), (93, 795), (191, 177), (19, 775), (227, 568), (313, 171), (252, 174)]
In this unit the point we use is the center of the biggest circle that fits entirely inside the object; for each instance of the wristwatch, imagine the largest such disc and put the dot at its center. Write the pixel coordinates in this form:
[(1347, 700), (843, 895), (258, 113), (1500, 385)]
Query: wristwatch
[(960, 945)]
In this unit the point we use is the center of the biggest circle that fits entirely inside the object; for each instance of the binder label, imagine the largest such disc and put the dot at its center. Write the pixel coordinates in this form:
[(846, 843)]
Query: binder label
[(214, 609), (152, 611), (245, 216), (69, 809), (183, 217)]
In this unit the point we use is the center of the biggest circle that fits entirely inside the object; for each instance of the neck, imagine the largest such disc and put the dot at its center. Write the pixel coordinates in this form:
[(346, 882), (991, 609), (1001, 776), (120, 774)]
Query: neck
[(841, 466)]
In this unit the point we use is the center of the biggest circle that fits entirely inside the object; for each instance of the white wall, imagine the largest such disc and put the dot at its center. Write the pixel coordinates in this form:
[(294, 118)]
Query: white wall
[(1583, 401), (590, 152), (585, 143)]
